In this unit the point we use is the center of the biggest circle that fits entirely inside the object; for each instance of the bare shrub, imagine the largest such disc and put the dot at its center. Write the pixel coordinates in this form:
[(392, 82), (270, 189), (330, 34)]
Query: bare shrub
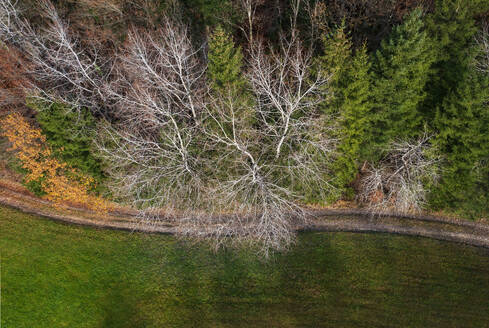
[(400, 182)]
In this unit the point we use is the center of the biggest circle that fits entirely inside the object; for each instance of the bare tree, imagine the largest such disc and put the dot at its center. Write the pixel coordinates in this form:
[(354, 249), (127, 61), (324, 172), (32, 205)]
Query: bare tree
[(202, 155), (61, 67), (166, 64), (11, 24), (401, 180), (158, 98), (287, 146)]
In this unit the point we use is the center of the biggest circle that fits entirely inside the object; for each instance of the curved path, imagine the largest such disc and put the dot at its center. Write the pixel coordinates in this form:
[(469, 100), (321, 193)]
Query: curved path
[(347, 220)]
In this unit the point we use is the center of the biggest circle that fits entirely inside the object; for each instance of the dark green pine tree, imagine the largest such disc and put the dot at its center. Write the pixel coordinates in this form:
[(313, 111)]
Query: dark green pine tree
[(452, 29), (335, 61), (402, 69), (462, 122), (457, 108), (71, 136), (350, 86), (354, 118)]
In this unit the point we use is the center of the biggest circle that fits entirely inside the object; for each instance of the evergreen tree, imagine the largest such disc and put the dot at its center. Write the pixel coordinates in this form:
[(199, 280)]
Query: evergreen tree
[(457, 108), (462, 123), (402, 67), (452, 29), (225, 63), (335, 61), (354, 119), (228, 86), (351, 85), (70, 135)]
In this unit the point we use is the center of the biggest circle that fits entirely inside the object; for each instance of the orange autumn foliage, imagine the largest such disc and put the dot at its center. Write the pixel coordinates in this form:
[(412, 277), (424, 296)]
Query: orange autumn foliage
[(62, 184)]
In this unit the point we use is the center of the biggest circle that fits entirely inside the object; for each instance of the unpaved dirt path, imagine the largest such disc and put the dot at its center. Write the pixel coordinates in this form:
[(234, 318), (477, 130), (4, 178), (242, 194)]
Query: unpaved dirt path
[(348, 220)]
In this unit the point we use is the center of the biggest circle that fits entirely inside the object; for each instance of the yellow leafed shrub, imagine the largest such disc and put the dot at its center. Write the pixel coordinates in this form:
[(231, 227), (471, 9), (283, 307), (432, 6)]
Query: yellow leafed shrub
[(62, 184)]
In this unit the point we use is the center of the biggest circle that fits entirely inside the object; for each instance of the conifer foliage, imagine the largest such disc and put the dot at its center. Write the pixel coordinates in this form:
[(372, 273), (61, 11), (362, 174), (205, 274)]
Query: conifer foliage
[(225, 62), (354, 119), (228, 87), (458, 108), (70, 134), (402, 67), (350, 102)]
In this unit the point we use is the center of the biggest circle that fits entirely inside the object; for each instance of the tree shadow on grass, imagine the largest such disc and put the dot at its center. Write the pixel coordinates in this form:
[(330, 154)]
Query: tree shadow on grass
[(121, 308)]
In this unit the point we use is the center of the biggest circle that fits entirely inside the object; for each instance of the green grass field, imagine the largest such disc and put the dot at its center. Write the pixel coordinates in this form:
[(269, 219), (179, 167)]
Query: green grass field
[(56, 275)]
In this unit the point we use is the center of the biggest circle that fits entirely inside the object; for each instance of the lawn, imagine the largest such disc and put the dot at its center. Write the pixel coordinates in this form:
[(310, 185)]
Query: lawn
[(57, 275)]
